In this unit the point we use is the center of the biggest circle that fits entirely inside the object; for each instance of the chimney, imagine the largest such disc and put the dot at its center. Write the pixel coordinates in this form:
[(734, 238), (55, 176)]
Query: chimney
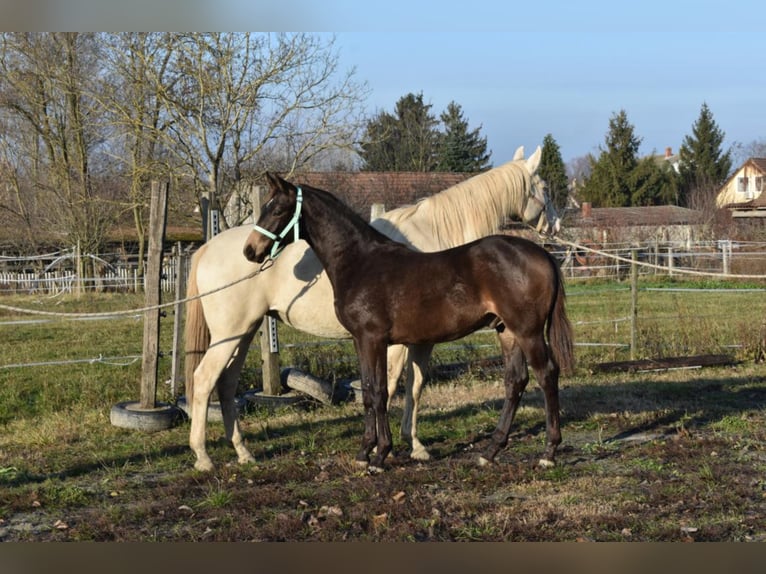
[(668, 152), (585, 210)]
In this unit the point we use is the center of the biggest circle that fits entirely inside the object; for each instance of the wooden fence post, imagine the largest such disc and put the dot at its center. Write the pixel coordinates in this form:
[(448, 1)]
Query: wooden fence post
[(150, 362), (272, 384), (633, 303), (178, 310), (671, 263), (376, 210), (79, 270), (725, 245), (147, 414)]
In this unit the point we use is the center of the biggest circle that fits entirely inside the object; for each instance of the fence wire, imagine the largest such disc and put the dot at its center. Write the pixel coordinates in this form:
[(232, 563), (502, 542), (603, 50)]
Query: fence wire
[(714, 260)]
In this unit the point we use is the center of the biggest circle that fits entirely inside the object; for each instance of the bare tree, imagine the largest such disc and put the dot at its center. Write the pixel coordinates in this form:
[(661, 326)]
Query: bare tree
[(79, 110), (45, 91), (742, 152), (141, 65), (18, 209), (241, 97)]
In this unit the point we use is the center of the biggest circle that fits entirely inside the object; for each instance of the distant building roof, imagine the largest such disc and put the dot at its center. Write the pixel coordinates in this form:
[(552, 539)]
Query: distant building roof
[(361, 189), (756, 203), (631, 216)]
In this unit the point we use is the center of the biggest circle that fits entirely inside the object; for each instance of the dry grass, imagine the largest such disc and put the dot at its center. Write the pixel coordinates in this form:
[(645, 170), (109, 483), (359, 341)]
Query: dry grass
[(646, 456)]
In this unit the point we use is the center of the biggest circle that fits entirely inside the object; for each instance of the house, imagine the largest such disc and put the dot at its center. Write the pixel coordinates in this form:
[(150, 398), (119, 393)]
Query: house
[(742, 194), (360, 189), (657, 223)]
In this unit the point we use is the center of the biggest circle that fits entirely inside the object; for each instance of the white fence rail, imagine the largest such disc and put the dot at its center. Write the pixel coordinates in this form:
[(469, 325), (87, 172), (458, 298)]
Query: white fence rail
[(613, 260), (29, 275), (55, 273)]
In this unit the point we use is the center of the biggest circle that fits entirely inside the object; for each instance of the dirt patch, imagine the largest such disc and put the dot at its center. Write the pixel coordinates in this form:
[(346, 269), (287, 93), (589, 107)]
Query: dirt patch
[(660, 457)]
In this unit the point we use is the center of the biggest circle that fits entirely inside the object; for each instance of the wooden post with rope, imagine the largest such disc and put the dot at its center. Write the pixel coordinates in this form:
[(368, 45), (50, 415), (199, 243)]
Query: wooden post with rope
[(147, 414), (272, 383), (152, 287)]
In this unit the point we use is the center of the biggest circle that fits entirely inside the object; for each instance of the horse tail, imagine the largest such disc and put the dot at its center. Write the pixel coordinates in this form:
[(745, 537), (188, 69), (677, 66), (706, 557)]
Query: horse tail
[(560, 337), (196, 333)]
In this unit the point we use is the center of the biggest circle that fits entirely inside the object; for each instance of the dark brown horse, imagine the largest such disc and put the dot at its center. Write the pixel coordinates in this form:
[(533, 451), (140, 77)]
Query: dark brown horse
[(386, 293)]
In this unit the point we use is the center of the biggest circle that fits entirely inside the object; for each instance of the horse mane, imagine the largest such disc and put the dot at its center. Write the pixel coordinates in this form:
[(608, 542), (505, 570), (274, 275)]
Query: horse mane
[(492, 195), (351, 216)]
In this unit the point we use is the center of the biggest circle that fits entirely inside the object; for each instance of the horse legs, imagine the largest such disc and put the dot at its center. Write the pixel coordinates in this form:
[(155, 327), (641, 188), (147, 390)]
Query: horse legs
[(227, 389), (547, 375), (548, 379), (398, 358), (377, 432), (413, 386), (206, 377), (516, 380)]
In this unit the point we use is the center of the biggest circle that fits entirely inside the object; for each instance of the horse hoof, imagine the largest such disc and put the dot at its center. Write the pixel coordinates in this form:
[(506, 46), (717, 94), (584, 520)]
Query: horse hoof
[(244, 460), (420, 455), (484, 462), (204, 466), (374, 470), (546, 463)]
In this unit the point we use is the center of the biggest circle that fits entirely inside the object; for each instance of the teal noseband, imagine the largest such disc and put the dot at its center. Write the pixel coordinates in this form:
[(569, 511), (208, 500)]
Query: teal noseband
[(277, 248)]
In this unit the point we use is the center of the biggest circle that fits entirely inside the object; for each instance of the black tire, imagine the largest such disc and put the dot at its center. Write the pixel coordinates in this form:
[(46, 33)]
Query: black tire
[(312, 386), (214, 413), (130, 415), (356, 387), (272, 402)]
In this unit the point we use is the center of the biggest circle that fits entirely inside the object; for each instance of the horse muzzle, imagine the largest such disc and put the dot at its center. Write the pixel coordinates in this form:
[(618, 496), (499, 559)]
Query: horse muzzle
[(255, 253)]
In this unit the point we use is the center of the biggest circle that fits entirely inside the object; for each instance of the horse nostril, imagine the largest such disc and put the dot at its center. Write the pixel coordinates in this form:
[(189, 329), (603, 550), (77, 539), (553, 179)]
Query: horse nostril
[(249, 253)]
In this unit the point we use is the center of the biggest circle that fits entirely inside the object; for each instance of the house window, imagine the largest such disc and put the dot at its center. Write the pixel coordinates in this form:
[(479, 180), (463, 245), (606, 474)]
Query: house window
[(744, 187), (760, 183), (742, 184)]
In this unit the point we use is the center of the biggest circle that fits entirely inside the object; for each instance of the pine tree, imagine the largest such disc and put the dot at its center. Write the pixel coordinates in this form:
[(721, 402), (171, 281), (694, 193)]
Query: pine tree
[(609, 184), (553, 172), (704, 167), (405, 141), (461, 150), (654, 182)]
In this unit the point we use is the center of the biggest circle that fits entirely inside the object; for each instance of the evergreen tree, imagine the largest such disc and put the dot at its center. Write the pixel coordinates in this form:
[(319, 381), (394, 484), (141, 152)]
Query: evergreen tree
[(553, 172), (654, 182), (610, 184), (405, 141), (461, 150), (703, 165)]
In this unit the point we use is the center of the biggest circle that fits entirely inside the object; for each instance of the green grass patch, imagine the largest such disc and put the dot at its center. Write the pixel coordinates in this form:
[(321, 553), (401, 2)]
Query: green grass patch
[(645, 456)]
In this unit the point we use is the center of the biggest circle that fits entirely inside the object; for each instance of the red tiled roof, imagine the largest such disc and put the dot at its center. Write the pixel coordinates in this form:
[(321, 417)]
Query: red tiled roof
[(633, 216), (756, 203), (361, 189), (752, 204)]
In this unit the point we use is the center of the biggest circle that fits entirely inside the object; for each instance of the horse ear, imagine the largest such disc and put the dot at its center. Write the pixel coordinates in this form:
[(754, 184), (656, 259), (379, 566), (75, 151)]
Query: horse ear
[(534, 160), (519, 154), (273, 180), (277, 183)]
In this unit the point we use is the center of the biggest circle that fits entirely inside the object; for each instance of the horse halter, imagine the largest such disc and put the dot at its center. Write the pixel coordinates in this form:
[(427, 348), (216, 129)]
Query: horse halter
[(277, 247)]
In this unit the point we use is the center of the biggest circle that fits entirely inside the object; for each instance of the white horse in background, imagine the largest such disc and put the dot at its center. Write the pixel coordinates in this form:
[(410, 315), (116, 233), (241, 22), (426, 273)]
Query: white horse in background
[(295, 289)]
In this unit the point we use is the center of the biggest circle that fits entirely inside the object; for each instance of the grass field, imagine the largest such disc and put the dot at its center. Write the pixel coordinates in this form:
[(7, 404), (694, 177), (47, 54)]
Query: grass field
[(665, 456)]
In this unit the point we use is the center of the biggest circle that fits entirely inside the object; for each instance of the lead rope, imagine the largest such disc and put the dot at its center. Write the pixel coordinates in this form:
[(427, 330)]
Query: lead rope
[(264, 266), (275, 251)]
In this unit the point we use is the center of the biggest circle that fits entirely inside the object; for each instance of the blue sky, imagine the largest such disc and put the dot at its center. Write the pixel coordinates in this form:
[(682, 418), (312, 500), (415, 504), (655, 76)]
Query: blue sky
[(518, 70)]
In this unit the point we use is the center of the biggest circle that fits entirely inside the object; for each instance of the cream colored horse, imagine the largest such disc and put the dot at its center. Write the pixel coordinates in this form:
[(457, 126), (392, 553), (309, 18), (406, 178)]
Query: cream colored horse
[(296, 290)]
